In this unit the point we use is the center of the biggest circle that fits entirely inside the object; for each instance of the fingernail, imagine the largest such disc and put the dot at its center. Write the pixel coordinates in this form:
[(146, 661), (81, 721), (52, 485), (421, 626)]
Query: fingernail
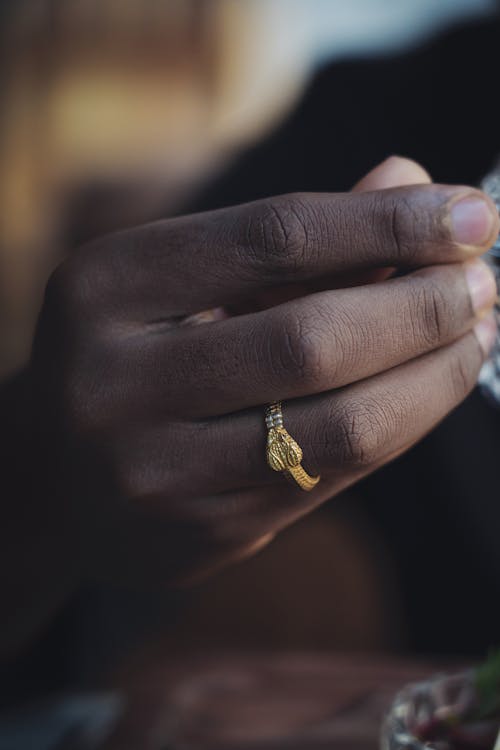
[(472, 220), (486, 331), (481, 283)]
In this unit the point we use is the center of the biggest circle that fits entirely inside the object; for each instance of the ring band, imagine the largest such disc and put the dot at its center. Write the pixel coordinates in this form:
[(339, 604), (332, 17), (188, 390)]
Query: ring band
[(283, 452)]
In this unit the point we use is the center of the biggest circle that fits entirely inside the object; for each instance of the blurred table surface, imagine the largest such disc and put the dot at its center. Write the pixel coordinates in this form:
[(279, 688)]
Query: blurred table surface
[(243, 701)]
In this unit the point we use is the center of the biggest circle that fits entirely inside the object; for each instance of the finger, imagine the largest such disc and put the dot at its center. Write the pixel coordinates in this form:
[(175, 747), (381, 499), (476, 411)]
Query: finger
[(193, 263), (313, 344), (343, 434), (395, 171), (184, 543), (357, 427)]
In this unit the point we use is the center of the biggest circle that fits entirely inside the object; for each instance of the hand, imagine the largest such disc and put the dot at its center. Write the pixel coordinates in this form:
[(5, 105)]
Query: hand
[(162, 419)]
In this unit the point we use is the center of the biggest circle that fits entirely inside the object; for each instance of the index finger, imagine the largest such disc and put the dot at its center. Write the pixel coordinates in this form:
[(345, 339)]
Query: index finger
[(188, 264)]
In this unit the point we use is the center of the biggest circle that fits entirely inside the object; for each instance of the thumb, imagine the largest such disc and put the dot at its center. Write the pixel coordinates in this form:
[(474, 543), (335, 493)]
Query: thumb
[(393, 172)]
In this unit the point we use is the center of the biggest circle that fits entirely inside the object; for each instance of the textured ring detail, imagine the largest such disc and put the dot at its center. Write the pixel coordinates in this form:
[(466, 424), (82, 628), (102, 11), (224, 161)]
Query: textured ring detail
[(283, 452)]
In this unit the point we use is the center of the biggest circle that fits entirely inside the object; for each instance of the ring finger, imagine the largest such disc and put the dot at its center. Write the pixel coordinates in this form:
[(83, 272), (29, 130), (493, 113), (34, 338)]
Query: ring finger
[(343, 434)]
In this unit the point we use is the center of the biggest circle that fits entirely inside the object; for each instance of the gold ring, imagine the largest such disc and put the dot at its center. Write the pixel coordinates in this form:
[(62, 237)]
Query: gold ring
[(283, 452)]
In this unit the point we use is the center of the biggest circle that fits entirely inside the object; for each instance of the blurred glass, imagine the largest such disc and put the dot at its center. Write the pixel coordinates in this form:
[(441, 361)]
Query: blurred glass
[(489, 378), (434, 709)]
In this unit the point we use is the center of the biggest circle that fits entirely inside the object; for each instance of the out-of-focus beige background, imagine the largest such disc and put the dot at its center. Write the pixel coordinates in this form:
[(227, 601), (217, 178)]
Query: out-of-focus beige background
[(149, 97)]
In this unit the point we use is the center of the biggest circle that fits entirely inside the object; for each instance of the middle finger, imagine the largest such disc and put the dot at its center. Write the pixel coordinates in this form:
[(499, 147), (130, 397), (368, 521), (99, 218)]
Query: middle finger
[(310, 345)]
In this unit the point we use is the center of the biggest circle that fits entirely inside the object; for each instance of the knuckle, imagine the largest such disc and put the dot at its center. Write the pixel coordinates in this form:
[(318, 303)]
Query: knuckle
[(149, 470), (69, 293), (362, 430), (278, 235), (137, 481), (464, 362), (402, 229), (299, 351), (60, 288), (429, 315)]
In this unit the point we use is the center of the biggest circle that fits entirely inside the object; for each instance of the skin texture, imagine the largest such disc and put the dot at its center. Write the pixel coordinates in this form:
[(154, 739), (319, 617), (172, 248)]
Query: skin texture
[(149, 412)]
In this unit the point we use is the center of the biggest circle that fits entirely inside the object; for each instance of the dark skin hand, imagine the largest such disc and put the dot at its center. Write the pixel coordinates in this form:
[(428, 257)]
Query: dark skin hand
[(152, 426)]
